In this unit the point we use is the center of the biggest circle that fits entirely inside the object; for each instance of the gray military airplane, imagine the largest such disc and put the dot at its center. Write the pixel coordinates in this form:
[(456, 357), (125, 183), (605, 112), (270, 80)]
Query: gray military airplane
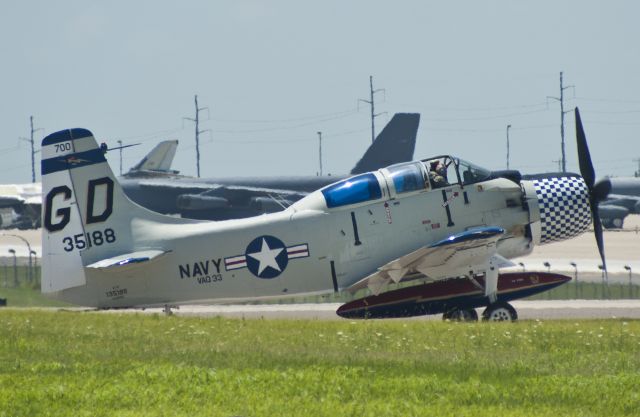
[(395, 224), (156, 163), (623, 200), (20, 206), (238, 197)]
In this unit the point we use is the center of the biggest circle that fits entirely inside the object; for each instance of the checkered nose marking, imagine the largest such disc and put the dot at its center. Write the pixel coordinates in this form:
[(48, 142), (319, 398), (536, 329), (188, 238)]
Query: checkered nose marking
[(564, 207)]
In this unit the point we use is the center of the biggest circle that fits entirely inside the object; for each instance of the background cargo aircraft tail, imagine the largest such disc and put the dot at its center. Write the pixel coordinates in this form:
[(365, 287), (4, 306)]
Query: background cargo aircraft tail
[(394, 144), (86, 216), (157, 162)]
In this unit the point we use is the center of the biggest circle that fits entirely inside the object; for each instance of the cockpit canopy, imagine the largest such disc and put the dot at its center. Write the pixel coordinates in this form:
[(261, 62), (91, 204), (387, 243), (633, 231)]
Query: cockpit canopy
[(418, 176), (354, 190)]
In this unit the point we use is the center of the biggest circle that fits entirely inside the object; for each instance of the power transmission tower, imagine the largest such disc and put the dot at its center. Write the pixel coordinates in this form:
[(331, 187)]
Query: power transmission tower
[(33, 150), (372, 104), (508, 127), (198, 131), (320, 150), (562, 113)]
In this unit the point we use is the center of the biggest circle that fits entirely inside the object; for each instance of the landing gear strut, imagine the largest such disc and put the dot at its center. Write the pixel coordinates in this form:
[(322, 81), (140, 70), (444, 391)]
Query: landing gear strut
[(500, 312)]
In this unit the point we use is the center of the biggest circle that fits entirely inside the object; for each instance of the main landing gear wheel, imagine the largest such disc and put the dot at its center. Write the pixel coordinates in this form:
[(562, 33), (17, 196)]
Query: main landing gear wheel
[(500, 312), (461, 314)]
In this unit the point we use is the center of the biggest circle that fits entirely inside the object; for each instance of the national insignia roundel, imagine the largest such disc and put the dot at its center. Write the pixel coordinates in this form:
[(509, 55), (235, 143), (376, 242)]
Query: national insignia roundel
[(266, 257)]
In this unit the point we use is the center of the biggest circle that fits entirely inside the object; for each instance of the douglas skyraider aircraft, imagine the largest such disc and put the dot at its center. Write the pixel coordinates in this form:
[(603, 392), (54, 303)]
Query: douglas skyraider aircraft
[(443, 222)]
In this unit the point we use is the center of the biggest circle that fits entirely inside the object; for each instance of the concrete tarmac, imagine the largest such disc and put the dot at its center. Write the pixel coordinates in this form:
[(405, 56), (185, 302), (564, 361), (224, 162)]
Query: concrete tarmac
[(527, 310), (622, 248)]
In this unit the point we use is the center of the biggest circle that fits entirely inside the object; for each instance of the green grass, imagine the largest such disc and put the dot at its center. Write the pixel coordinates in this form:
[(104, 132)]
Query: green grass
[(25, 296), (101, 364)]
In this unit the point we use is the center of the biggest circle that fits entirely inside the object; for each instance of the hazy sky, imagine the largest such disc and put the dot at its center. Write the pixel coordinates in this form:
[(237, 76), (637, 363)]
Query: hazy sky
[(273, 73)]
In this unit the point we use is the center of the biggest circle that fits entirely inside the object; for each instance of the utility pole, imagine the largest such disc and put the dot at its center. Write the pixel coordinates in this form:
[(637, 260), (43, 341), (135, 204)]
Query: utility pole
[(562, 113), (508, 127), (637, 173), (320, 150), (198, 131), (33, 150), (372, 104), (120, 146)]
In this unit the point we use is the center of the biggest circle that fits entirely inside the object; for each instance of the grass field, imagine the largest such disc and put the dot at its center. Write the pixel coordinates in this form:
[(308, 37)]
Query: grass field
[(91, 364)]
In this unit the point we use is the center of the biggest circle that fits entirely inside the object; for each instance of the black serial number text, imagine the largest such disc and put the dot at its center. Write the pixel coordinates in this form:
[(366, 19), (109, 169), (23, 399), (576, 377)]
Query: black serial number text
[(86, 240)]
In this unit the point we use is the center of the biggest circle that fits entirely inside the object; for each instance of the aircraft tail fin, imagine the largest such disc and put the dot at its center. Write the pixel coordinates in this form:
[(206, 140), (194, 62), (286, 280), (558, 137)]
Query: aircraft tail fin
[(86, 215), (159, 160), (394, 144)]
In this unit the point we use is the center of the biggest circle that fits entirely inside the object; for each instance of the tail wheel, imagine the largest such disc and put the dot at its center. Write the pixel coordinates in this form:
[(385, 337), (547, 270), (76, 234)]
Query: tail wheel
[(461, 314), (500, 312)]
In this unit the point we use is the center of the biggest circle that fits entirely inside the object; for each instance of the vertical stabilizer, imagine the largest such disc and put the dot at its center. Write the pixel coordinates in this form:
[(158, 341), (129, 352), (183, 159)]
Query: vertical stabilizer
[(394, 144), (158, 160), (86, 216)]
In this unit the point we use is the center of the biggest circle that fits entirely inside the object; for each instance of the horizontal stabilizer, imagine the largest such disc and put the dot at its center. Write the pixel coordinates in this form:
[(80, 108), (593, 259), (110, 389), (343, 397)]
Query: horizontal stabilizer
[(128, 259)]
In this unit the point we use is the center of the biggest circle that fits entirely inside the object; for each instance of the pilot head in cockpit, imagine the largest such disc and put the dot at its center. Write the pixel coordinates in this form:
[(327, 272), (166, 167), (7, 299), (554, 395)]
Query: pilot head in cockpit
[(438, 174)]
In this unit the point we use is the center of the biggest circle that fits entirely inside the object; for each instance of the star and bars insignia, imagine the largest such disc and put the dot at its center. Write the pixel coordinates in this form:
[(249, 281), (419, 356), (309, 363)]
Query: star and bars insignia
[(266, 257)]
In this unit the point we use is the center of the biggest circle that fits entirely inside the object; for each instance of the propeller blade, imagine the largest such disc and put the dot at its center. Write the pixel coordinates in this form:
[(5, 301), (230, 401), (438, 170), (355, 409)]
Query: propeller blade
[(597, 228), (584, 157), (597, 192)]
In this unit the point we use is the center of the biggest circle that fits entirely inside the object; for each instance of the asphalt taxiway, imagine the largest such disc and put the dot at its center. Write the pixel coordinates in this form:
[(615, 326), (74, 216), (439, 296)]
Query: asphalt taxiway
[(527, 310)]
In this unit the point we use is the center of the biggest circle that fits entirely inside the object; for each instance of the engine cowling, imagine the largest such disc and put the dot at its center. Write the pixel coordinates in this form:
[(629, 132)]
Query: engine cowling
[(562, 200)]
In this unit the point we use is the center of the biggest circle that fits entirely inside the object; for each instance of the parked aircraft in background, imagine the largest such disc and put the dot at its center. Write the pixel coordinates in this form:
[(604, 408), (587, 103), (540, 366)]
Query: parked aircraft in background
[(20, 206), (454, 227), (239, 197), (156, 163), (623, 200)]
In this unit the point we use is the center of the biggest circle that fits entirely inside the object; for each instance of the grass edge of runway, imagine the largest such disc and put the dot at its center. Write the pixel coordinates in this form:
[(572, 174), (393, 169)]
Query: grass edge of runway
[(72, 363)]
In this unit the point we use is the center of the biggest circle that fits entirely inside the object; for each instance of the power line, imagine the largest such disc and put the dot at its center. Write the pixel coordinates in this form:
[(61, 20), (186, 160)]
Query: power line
[(606, 100), (151, 135), (502, 116), (292, 140), (326, 116), (479, 109), (274, 129)]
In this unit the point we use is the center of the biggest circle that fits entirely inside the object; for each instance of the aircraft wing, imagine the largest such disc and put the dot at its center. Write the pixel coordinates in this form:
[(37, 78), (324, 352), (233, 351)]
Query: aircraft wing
[(472, 250), (269, 199)]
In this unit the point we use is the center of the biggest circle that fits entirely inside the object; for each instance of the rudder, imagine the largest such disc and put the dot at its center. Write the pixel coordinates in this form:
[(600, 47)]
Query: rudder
[(86, 215)]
